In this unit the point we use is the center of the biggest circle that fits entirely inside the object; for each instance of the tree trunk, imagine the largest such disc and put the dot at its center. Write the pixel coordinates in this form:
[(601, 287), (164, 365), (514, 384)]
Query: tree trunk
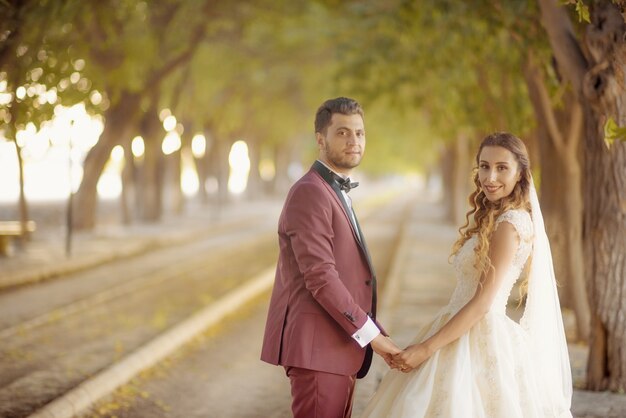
[(153, 183), (456, 173), (152, 167), (561, 191), (175, 182), (281, 181), (605, 193), (605, 236), (119, 119), (222, 170), (138, 175), (202, 168), (255, 182), (447, 174), (461, 175), (128, 186), (601, 89), (22, 203), (573, 256), (200, 164), (533, 141)]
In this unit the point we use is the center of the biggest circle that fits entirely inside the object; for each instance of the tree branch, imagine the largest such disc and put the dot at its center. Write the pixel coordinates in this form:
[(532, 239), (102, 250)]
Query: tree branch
[(567, 51), (490, 104), (94, 36), (576, 126), (541, 102), (186, 55)]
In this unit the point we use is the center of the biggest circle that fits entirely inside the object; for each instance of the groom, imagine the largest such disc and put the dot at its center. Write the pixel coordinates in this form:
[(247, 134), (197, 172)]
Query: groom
[(321, 322)]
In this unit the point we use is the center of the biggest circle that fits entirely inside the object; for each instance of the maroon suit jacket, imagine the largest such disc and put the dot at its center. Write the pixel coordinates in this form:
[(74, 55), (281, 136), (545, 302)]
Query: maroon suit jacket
[(325, 286)]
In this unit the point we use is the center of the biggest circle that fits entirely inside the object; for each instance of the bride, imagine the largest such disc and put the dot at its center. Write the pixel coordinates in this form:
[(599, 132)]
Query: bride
[(473, 360)]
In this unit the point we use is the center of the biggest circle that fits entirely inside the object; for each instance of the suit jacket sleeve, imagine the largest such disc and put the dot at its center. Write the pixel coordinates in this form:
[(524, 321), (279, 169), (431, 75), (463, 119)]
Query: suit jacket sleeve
[(308, 223)]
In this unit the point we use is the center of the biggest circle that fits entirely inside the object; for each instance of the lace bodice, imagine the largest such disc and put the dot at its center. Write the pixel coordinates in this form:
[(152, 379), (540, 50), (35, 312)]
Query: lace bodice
[(468, 276)]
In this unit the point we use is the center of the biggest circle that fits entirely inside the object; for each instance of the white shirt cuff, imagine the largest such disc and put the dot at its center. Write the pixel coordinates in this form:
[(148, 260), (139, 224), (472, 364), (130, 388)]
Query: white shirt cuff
[(367, 333)]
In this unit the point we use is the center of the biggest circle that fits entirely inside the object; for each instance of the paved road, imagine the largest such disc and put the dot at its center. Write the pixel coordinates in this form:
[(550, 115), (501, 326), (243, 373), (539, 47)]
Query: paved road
[(79, 324), (220, 375)]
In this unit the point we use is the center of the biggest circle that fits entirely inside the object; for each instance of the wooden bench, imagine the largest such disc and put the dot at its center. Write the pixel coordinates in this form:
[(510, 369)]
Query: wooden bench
[(11, 230)]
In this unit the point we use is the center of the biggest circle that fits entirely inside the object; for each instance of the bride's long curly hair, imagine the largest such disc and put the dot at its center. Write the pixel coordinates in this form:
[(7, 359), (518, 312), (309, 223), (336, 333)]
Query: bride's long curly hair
[(483, 211)]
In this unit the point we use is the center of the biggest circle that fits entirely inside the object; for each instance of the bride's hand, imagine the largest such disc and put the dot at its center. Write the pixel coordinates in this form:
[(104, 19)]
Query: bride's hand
[(411, 357)]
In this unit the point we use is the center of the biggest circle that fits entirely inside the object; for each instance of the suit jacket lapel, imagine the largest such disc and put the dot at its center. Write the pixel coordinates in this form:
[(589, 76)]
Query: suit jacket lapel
[(327, 175), (369, 261), (362, 241)]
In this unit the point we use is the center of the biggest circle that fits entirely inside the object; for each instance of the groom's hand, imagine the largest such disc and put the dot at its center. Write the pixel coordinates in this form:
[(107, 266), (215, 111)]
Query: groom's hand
[(386, 348), (411, 357)]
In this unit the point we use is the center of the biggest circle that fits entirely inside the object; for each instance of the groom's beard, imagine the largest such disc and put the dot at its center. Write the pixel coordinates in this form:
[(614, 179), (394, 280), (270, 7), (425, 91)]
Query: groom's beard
[(340, 159)]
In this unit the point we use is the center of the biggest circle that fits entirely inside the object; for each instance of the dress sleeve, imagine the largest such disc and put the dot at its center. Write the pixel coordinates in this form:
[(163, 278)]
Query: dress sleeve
[(520, 219)]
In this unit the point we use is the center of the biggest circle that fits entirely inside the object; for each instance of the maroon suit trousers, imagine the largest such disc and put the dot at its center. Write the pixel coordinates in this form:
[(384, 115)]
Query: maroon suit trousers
[(320, 395)]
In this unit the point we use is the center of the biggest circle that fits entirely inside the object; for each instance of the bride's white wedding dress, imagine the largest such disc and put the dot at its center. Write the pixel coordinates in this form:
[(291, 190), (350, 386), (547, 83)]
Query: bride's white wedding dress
[(487, 372)]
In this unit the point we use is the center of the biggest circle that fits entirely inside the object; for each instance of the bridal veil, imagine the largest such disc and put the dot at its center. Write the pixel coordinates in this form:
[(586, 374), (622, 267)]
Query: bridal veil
[(542, 319)]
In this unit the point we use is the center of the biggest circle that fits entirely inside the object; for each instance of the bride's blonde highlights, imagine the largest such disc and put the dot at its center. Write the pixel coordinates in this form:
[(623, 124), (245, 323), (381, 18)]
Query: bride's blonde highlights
[(480, 219)]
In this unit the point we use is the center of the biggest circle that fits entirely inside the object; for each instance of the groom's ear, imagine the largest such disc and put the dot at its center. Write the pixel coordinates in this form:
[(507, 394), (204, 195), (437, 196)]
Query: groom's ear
[(319, 138)]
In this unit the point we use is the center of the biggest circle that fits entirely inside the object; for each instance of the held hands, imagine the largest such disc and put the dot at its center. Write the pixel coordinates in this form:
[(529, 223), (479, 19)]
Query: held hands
[(386, 348), (410, 358), (403, 360)]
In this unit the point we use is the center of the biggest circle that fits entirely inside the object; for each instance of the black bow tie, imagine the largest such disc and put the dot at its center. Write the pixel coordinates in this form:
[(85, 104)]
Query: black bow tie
[(345, 184)]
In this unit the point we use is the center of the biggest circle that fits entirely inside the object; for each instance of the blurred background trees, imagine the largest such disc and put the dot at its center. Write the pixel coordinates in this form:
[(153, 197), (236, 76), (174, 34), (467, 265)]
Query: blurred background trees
[(173, 93)]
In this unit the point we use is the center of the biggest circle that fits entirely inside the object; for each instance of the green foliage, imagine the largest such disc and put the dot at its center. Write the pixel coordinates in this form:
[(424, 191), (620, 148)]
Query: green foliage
[(398, 141), (457, 62), (582, 10), (613, 132), (424, 71), (254, 81), (40, 68)]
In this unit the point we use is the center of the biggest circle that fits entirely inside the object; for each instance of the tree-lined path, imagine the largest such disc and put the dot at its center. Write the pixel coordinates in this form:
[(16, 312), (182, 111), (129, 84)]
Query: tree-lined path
[(119, 117)]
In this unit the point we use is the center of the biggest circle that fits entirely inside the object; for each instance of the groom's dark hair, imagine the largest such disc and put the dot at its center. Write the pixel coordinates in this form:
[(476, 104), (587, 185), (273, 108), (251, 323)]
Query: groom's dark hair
[(341, 105)]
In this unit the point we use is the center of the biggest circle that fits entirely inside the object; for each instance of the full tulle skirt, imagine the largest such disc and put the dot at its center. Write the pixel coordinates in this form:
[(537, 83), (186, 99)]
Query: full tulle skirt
[(487, 373)]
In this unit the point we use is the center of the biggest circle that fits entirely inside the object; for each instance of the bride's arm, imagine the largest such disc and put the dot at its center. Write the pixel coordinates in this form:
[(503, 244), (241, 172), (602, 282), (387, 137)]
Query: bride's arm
[(502, 248)]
